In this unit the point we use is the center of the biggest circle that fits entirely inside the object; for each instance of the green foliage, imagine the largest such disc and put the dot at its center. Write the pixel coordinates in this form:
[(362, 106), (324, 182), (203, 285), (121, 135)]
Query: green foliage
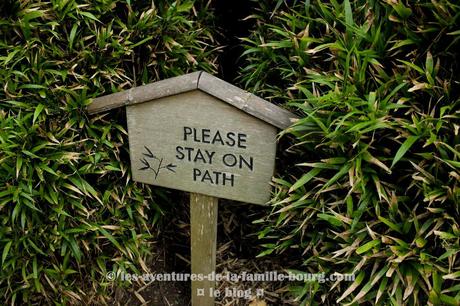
[(375, 191), (69, 211)]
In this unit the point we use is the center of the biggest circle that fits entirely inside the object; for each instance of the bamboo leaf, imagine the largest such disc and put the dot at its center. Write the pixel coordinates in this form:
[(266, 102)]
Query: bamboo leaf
[(367, 246), (407, 144), (89, 15), (305, 179), (6, 250), (37, 112)]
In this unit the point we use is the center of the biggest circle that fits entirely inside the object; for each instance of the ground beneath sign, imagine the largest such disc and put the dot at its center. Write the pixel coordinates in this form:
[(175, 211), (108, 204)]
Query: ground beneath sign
[(235, 253)]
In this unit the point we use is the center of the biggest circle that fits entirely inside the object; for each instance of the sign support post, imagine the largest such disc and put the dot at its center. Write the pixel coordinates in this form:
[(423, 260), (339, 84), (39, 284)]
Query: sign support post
[(203, 228)]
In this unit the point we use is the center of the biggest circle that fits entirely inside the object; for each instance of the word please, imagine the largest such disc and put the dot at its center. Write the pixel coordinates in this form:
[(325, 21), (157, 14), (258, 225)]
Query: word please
[(229, 139)]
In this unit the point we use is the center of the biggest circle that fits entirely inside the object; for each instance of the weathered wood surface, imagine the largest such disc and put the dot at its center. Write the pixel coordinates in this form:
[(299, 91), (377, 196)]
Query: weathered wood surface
[(203, 224), (173, 144), (203, 81), (146, 93), (246, 101)]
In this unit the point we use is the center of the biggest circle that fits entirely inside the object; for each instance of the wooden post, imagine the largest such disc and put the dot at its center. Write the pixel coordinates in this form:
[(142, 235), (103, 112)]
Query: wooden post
[(203, 227)]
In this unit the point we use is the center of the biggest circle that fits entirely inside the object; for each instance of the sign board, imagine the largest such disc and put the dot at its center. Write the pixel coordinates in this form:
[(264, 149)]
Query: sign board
[(200, 134), (196, 143)]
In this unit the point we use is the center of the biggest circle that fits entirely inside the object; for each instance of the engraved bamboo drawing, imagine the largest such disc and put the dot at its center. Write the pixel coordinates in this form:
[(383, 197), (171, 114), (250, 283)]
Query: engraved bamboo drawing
[(156, 170)]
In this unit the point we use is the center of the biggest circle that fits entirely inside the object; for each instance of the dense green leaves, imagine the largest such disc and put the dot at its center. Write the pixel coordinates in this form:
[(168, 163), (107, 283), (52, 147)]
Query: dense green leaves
[(69, 211), (375, 191), (375, 188)]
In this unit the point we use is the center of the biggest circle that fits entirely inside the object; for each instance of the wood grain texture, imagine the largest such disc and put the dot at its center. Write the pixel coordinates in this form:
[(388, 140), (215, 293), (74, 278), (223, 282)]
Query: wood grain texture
[(109, 102), (246, 101), (165, 88), (159, 127), (203, 226), (212, 85), (145, 93)]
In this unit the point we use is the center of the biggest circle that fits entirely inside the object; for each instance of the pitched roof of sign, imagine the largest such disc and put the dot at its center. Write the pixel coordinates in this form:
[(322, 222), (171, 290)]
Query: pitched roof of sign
[(205, 82)]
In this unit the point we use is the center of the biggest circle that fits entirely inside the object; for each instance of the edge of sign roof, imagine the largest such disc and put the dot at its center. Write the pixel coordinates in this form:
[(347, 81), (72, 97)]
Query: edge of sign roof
[(222, 90)]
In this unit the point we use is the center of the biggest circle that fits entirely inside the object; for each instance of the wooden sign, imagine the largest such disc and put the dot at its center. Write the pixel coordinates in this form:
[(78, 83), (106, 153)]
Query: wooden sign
[(200, 134)]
